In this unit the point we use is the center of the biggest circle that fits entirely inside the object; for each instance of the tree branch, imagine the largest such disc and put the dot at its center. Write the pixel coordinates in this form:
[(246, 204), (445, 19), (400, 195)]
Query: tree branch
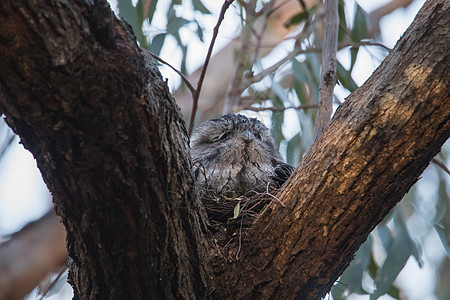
[(328, 74), (196, 95), (36, 250)]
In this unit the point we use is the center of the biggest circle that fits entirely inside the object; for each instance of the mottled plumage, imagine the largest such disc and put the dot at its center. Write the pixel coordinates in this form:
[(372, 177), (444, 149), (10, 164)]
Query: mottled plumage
[(234, 155)]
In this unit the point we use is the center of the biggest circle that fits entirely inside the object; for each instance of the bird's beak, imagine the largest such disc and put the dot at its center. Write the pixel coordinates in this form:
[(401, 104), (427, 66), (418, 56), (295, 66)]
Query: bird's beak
[(246, 135)]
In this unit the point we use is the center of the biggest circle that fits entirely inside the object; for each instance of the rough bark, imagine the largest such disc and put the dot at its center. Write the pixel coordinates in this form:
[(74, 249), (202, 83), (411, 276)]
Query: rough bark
[(110, 144), (112, 148)]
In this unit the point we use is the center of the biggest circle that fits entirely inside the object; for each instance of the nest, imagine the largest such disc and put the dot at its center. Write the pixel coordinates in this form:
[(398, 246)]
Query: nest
[(230, 215)]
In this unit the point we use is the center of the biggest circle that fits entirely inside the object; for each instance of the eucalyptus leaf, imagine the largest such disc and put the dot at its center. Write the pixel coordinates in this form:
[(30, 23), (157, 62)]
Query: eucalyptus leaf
[(353, 56), (360, 25), (398, 253), (402, 229), (293, 153), (157, 43), (199, 6), (237, 210), (131, 15), (342, 30), (345, 78), (296, 19), (443, 236), (199, 31), (353, 274)]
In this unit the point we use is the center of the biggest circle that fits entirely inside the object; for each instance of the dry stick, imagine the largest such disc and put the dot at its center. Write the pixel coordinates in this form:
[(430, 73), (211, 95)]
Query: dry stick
[(328, 74), (196, 94), (441, 165)]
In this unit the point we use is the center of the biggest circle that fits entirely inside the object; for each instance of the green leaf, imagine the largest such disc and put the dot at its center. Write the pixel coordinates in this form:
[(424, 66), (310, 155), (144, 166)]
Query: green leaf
[(443, 236), (198, 5), (338, 291), (402, 229), (342, 22), (398, 253), (353, 56), (300, 72), (352, 276), (199, 31), (237, 209), (281, 95), (360, 21), (372, 268), (385, 235), (297, 19), (157, 43), (307, 129), (314, 66), (133, 17), (345, 78), (293, 153), (277, 116), (394, 292)]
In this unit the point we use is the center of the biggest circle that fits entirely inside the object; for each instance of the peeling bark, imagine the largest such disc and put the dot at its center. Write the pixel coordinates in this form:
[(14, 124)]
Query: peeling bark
[(113, 150)]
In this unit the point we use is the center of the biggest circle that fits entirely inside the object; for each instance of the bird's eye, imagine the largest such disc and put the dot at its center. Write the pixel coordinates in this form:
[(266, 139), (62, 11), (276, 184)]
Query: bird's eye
[(221, 137), (258, 136)]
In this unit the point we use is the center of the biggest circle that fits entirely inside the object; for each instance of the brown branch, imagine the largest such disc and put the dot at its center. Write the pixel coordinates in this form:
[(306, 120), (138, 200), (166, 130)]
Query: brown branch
[(328, 74), (185, 80), (196, 95), (33, 252), (441, 165)]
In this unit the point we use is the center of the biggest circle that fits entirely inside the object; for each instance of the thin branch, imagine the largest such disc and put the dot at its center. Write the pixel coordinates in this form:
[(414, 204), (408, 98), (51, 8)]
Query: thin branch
[(306, 106), (328, 75), (196, 95), (376, 15), (186, 81), (441, 165), (260, 76), (367, 43)]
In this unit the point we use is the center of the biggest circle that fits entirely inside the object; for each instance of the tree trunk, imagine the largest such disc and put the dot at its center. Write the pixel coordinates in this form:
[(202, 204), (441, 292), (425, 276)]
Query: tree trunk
[(113, 150), (111, 146)]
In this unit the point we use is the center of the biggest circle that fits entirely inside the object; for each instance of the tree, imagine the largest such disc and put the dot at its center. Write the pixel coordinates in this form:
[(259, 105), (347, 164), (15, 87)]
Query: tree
[(113, 149)]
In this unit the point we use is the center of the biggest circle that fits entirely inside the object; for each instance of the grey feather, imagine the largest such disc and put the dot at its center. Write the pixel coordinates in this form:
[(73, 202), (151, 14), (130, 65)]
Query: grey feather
[(234, 155)]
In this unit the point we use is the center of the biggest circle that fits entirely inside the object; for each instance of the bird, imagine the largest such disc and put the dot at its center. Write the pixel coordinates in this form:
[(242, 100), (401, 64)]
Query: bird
[(234, 155)]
